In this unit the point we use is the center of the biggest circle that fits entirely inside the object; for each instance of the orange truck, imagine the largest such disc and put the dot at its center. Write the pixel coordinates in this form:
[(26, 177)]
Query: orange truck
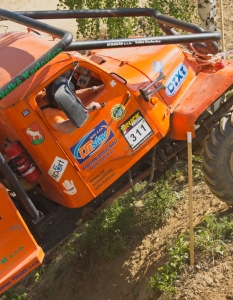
[(154, 91), (19, 252)]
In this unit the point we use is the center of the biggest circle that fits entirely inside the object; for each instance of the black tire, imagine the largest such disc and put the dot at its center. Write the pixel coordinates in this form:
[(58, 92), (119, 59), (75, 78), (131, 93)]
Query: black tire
[(217, 159)]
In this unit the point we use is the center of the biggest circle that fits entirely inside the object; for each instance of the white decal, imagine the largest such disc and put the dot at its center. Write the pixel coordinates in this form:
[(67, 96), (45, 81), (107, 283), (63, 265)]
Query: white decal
[(138, 134), (176, 79), (136, 130), (34, 134), (70, 189), (158, 67), (112, 83), (57, 168)]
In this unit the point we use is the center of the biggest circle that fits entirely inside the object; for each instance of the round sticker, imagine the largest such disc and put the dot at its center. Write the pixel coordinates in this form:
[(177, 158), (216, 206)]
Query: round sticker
[(118, 112)]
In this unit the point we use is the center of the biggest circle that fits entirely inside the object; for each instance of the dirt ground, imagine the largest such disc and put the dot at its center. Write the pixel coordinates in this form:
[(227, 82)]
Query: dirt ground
[(126, 277), (31, 5)]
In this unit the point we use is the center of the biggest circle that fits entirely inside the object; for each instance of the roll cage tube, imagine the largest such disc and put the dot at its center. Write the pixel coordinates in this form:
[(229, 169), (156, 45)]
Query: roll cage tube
[(15, 185), (166, 23), (66, 39)]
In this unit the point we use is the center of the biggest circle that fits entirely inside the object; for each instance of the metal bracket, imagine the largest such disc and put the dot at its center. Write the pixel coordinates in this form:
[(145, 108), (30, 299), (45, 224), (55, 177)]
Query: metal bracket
[(146, 93)]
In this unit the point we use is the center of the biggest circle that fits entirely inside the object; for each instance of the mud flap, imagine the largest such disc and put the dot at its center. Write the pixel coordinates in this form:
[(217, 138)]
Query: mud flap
[(19, 252)]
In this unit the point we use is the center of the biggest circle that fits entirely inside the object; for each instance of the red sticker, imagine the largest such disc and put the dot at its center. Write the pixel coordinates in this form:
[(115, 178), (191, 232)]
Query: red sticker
[(34, 134)]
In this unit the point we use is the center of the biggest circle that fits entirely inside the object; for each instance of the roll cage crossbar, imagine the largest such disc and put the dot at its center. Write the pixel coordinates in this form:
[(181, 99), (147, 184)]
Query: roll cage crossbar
[(166, 23), (203, 40)]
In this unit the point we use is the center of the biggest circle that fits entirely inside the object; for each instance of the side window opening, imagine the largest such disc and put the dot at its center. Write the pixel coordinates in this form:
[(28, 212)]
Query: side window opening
[(69, 98)]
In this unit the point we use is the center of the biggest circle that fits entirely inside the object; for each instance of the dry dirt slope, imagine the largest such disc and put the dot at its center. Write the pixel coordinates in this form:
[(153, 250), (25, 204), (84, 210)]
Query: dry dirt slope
[(126, 276)]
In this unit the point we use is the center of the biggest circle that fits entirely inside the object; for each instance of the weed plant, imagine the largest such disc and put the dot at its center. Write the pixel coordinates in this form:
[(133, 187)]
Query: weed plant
[(112, 231), (210, 241), (163, 280), (115, 228), (12, 295)]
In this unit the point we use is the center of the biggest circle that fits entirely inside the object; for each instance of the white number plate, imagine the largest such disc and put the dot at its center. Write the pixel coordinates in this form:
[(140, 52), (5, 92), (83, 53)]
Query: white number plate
[(136, 130), (138, 134)]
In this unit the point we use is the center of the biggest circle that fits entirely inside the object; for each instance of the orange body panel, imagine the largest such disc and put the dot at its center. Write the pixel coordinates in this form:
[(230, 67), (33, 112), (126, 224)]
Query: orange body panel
[(202, 92), (96, 155), (98, 167), (112, 158), (23, 49), (19, 252), (152, 95)]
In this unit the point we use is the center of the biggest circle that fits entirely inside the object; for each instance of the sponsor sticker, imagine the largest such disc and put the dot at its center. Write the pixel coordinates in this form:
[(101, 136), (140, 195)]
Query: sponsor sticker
[(69, 186), (101, 178), (13, 84), (6, 259), (102, 156), (112, 83), (91, 142), (23, 272), (34, 134), (176, 79), (118, 112), (26, 112), (57, 168), (136, 130), (158, 66)]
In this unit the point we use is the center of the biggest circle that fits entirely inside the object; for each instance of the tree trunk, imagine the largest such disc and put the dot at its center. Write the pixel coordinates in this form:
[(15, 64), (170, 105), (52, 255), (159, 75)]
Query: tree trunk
[(207, 13)]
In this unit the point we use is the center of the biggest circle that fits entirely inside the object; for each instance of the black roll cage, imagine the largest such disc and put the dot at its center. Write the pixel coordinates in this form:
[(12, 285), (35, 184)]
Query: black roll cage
[(166, 23), (202, 40)]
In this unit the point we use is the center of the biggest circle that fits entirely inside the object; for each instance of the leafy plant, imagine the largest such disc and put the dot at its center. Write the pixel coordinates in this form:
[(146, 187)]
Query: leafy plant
[(12, 295), (123, 27), (115, 228), (163, 280), (210, 238), (37, 275)]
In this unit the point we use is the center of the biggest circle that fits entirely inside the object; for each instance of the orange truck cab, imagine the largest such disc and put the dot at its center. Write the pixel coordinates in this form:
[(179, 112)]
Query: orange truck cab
[(19, 252), (154, 92)]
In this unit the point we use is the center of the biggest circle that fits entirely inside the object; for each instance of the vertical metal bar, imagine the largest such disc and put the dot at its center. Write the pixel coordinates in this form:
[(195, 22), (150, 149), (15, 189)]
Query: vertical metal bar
[(14, 183)]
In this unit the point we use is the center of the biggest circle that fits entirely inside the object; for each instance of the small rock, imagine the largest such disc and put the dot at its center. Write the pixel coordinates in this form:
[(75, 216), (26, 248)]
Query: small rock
[(209, 280)]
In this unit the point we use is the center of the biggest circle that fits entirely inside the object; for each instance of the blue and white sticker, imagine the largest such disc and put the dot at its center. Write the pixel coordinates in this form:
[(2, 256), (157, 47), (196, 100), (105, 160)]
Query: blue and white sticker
[(57, 168), (176, 80), (26, 112), (92, 142), (158, 66)]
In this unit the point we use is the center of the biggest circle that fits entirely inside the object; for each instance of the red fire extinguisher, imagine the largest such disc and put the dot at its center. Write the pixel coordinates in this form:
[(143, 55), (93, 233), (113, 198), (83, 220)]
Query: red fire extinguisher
[(22, 161)]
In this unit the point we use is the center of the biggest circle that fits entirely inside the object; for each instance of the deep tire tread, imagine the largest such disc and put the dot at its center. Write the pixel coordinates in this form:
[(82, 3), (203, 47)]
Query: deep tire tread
[(216, 138), (210, 178), (207, 165), (216, 155), (210, 151)]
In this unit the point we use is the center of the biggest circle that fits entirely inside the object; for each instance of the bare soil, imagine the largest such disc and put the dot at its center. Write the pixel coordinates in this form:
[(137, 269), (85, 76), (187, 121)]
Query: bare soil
[(126, 276)]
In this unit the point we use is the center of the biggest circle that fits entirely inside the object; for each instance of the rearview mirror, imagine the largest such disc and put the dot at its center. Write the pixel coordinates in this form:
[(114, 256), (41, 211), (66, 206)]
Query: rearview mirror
[(71, 105)]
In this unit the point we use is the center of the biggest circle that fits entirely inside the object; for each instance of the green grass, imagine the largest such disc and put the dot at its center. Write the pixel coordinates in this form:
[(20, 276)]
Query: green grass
[(125, 221), (115, 228), (12, 295), (210, 243), (111, 233), (212, 239), (163, 279)]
